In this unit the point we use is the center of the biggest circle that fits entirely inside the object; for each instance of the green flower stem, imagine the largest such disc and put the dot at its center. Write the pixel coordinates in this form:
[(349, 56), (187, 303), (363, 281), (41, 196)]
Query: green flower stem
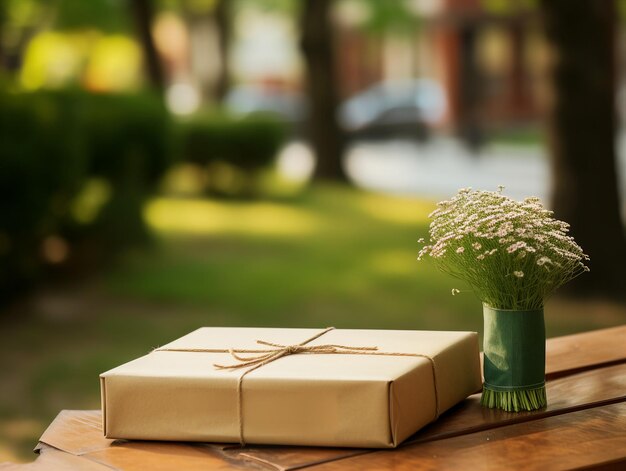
[(514, 359), (514, 401)]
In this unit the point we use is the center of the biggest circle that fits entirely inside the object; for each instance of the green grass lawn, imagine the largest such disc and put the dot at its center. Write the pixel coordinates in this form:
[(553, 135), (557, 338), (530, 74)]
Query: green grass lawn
[(327, 256), (518, 137)]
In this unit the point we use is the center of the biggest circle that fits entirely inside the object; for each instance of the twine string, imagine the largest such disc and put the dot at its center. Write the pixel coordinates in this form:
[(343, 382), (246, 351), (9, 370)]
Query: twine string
[(260, 357)]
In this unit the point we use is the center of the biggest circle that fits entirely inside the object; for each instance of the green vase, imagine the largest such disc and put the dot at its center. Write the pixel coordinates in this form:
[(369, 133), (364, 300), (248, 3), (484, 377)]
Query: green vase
[(514, 347)]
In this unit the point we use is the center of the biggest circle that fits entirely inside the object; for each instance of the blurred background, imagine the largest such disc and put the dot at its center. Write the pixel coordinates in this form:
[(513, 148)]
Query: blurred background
[(171, 164)]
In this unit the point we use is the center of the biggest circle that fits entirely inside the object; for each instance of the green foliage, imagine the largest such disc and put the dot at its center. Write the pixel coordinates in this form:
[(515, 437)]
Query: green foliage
[(128, 140), (40, 171), (506, 7), (247, 144), (53, 147), (287, 7), (519, 136), (621, 10), (389, 17), (127, 137), (106, 15), (23, 13)]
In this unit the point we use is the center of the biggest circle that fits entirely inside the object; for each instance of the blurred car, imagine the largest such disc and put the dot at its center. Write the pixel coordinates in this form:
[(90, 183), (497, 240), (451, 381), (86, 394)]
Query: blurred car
[(394, 109), (251, 99)]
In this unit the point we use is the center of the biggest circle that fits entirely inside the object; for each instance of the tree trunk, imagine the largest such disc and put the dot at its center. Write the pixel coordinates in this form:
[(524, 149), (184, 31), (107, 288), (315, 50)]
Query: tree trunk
[(3, 8), (582, 138), (143, 12), (518, 96), (222, 24), (324, 132), (470, 89)]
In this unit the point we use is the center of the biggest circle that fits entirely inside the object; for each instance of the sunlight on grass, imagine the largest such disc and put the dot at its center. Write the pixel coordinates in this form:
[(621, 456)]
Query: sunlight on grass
[(184, 179), (16, 438), (198, 217), (394, 262), (7, 454), (395, 209), (20, 428)]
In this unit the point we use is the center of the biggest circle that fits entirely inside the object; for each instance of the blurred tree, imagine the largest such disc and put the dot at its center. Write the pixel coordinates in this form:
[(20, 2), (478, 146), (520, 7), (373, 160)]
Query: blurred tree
[(222, 15), (209, 24), (3, 15), (325, 134), (20, 20), (143, 12), (470, 88), (583, 131), (104, 15)]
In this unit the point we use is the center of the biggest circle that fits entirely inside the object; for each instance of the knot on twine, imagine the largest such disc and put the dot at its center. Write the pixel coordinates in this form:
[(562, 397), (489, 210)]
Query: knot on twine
[(261, 357), (291, 349), (276, 351)]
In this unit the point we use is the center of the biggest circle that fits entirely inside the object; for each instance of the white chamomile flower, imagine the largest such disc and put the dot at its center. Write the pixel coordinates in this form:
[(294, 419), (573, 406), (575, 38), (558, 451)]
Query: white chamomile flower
[(467, 230)]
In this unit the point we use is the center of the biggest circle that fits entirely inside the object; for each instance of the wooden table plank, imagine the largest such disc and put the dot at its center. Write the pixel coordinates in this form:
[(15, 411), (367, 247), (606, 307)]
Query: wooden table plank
[(79, 433), (76, 432), (583, 390), (51, 459), (166, 456), (585, 438), (285, 459), (579, 352)]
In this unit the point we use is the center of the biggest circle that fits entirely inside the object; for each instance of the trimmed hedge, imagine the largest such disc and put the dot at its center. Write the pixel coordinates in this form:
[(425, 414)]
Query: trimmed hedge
[(76, 168), (246, 144), (52, 147)]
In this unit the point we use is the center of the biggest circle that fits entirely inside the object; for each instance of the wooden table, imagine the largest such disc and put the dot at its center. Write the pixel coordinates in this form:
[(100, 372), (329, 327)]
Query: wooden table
[(584, 426)]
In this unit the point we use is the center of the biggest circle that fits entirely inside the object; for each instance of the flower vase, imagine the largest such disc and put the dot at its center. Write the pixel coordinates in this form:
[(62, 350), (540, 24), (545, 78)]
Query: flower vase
[(514, 366)]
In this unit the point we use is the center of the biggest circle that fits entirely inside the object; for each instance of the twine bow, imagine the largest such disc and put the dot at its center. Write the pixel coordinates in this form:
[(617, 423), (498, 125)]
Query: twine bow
[(261, 357)]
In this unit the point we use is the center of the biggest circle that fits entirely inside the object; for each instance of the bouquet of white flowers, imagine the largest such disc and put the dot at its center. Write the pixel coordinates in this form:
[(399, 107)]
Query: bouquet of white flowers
[(514, 255)]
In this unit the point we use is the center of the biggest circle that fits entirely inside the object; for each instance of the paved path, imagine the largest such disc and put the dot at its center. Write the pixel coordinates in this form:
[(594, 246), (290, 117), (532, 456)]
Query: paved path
[(437, 169), (440, 167)]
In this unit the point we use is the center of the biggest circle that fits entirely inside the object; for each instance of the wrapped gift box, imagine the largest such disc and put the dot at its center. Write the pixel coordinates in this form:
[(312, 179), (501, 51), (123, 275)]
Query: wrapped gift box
[(348, 398)]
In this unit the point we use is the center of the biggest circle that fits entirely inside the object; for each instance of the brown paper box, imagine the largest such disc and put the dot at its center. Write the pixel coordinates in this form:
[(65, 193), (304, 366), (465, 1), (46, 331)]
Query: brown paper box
[(302, 399)]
